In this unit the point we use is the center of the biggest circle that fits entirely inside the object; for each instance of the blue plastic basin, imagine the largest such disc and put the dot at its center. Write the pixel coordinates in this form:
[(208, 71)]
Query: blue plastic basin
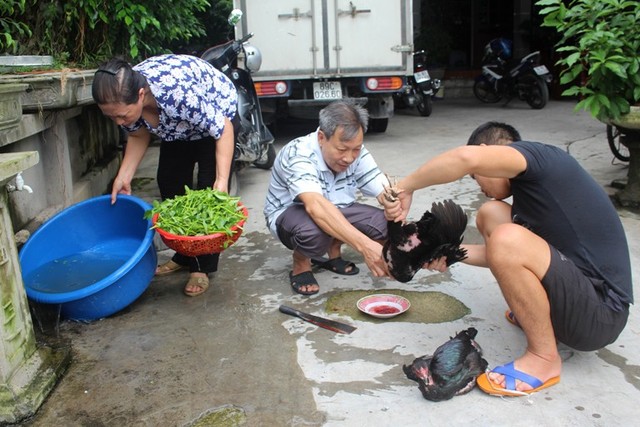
[(93, 258)]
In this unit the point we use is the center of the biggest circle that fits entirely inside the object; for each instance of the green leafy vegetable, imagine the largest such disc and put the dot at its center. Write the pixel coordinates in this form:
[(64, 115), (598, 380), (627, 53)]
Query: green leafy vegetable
[(197, 213)]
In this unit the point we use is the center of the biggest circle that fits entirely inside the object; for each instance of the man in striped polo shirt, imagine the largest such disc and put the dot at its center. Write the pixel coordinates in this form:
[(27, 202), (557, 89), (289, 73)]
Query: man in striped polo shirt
[(311, 202)]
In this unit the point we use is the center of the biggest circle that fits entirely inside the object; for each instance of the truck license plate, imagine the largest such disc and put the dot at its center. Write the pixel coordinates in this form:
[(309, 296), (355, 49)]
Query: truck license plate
[(327, 90), (540, 70), (421, 76)]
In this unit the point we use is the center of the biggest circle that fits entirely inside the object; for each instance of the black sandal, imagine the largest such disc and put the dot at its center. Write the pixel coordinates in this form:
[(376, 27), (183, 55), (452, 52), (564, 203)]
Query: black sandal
[(303, 279), (337, 265)]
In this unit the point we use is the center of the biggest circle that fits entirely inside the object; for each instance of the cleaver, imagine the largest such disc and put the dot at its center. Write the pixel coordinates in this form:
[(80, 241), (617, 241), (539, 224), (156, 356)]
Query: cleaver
[(331, 325)]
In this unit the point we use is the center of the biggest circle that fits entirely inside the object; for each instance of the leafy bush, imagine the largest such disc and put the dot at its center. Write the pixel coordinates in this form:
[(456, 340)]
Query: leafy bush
[(216, 29), (83, 33), (600, 42), (9, 27)]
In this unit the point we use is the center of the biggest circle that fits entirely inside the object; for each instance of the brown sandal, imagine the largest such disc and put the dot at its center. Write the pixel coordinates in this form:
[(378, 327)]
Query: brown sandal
[(168, 268), (200, 282)]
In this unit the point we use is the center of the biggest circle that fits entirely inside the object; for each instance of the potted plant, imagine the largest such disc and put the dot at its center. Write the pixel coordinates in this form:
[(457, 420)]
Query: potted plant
[(600, 44)]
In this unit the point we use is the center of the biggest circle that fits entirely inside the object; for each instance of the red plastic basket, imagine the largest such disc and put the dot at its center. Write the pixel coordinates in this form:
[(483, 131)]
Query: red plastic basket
[(202, 245)]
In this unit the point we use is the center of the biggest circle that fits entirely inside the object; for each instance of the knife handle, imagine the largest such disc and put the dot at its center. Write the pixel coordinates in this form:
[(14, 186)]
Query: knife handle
[(288, 310)]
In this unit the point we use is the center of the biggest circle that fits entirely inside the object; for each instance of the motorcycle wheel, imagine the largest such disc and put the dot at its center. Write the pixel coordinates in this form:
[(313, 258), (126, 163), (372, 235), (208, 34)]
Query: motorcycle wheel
[(538, 95), (378, 125), (425, 105), (619, 151), (484, 91), (267, 163), (398, 102)]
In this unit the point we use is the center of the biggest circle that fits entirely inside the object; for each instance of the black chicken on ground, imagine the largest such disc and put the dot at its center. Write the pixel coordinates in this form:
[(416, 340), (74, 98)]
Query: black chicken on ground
[(412, 244), (451, 371)]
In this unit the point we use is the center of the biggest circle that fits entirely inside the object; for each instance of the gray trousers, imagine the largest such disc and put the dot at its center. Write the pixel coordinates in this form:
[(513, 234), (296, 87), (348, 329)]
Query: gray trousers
[(297, 231)]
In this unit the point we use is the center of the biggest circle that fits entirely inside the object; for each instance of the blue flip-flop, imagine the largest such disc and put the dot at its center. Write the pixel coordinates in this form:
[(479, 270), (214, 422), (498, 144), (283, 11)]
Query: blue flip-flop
[(511, 374), (511, 318)]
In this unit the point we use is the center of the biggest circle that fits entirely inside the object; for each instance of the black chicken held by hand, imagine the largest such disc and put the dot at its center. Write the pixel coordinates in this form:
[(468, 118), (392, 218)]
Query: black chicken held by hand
[(438, 233), (451, 371)]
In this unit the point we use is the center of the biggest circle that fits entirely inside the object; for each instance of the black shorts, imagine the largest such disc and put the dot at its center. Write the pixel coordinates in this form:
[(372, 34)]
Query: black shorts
[(581, 314)]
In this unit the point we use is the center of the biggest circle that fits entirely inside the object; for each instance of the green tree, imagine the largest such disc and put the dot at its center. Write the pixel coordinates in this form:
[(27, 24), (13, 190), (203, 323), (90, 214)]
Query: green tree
[(216, 29), (83, 33), (599, 41), (10, 29)]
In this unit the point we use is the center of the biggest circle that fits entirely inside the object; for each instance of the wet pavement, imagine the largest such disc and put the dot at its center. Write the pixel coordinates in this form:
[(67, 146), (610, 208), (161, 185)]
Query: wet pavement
[(230, 357)]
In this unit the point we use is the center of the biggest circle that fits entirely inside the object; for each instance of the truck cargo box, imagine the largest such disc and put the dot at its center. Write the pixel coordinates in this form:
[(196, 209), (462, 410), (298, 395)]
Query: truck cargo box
[(316, 51)]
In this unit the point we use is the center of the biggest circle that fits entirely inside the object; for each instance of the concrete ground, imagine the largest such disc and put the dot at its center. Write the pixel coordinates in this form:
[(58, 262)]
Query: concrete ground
[(231, 356)]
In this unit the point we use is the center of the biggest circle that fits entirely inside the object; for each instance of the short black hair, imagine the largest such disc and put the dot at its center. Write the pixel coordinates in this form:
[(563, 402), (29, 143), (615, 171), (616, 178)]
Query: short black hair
[(491, 133)]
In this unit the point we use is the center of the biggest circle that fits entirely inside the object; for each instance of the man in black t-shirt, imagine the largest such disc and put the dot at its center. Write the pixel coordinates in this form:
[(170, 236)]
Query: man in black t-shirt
[(559, 252)]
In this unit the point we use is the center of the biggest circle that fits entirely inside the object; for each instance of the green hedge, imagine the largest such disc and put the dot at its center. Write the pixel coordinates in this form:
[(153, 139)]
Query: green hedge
[(83, 33)]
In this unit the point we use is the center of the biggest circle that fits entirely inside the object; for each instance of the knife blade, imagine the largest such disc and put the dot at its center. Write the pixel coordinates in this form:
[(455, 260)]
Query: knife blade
[(331, 325)]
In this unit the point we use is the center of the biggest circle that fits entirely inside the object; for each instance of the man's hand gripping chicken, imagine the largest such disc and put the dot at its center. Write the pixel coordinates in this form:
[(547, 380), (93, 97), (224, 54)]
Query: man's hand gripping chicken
[(433, 242)]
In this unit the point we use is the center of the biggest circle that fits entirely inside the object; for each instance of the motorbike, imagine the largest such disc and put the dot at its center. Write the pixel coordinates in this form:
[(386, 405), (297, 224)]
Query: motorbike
[(420, 88), (503, 77), (254, 141)]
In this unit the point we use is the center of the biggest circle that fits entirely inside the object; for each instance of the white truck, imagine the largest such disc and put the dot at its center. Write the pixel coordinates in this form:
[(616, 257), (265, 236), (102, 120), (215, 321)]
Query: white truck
[(316, 51)]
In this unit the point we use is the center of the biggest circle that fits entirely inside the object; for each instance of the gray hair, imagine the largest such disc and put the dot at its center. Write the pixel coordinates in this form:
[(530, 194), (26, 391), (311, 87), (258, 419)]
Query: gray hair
[(347, 114)]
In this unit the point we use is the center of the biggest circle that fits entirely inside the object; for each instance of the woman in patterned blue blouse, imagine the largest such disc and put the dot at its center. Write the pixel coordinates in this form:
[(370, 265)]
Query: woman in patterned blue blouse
[(191, 107)]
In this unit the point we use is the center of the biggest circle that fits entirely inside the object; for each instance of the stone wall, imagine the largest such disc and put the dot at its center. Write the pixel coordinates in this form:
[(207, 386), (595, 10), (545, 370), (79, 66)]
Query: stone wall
[(77, 145)]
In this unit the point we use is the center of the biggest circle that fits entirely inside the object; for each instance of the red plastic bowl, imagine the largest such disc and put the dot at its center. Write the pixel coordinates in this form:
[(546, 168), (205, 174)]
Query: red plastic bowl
[(202, 245)]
